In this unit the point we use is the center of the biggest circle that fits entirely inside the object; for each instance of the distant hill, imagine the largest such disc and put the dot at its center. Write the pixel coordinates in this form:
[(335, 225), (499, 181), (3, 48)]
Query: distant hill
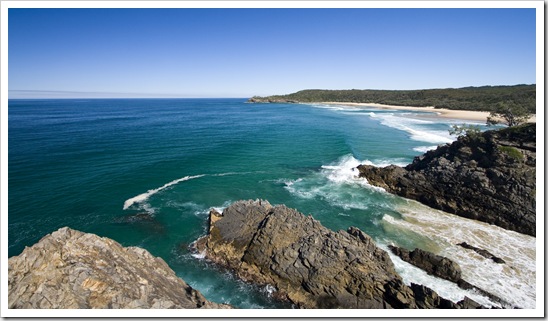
[(483, 98)]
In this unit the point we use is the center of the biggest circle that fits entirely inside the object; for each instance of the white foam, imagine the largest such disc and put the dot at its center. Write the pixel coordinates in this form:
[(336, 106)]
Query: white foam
[(424, 149), (446, 289), (221, 208), (514, 281), (338, 183), (200, 255), (270, 289), (414, 127), (331, 107), (344, 171), (144, 196)]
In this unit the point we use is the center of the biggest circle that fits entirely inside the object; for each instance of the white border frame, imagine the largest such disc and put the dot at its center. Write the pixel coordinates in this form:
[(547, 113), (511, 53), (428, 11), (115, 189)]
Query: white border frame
[(538, 312)]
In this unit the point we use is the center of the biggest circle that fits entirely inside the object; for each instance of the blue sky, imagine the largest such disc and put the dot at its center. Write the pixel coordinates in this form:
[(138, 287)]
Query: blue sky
[(245, 52)]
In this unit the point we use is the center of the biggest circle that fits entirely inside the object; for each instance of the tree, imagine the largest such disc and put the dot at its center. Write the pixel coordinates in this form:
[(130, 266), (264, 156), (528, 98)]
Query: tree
[(511, 113), (471, 131)]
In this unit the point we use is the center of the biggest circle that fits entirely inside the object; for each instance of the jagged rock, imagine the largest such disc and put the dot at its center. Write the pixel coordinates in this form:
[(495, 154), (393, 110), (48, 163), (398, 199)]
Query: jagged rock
[(482, 252), (308, 264), (69, 269), (428, 299), (490, 177), (444, 268), (468, 286), (431, 263), (468, 303)]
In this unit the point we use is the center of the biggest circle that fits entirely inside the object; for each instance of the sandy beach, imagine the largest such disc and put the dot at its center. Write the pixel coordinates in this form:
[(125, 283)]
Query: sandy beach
[(441, 112)]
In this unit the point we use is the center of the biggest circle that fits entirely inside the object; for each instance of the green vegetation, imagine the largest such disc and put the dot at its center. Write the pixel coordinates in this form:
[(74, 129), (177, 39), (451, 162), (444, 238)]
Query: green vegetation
[(511, 152), (485, 98), (472, 131), (511, 113)]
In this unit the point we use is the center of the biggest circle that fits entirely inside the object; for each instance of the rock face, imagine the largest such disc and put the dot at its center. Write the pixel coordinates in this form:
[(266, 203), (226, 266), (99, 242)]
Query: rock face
[(308, 264), (69, 269), (431, 263), (490, 177)]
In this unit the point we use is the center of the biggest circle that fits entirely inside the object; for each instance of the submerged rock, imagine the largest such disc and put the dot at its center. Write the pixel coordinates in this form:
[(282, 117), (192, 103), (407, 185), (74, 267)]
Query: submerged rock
[(308, 264), (69, 269), (490, 177), (486, 254)]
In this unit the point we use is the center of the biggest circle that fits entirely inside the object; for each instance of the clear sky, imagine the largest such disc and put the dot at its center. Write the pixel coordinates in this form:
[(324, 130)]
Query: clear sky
[(246, 52)]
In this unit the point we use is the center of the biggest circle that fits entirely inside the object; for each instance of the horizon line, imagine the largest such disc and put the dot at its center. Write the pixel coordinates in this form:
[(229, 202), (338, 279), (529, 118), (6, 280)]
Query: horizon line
[(133, 95), (67, 94)]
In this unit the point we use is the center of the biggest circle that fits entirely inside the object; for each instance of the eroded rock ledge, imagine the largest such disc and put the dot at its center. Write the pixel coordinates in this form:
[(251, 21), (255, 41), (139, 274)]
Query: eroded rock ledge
[(68, 269), (490, 177), (308, 264), (437, 265), (442, 267)]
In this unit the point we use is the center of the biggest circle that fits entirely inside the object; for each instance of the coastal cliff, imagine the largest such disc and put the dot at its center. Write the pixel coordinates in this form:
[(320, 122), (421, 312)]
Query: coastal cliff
[(308, 264), (68, 269), (490, 177)]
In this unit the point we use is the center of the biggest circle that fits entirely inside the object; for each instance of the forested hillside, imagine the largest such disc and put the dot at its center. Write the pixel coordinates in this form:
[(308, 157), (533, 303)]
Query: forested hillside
[(468, 98)]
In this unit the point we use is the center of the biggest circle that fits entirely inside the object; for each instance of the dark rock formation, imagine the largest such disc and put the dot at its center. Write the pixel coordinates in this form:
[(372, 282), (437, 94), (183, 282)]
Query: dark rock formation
[(468, 286), (482, 252), (431, 263), (69, 269), (444, 268), (308, 264), (490, 177)]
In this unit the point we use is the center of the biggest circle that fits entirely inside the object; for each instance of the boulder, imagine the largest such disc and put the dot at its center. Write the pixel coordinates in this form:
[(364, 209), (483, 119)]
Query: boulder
[(69, 269)]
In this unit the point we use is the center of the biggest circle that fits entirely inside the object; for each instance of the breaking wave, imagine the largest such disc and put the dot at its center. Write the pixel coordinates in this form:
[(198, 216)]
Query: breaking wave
[(146, 195), (414, 127)]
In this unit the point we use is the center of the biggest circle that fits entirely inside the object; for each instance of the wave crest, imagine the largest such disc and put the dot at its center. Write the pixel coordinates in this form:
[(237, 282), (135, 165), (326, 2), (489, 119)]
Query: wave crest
[(145, 196)]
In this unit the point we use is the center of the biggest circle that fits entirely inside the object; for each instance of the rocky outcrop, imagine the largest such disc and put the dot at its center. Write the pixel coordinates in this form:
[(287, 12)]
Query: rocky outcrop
[(308, 264), (431, 263), (69, 269), (489, 177), (486, 254), (444, 268), (270, 99)]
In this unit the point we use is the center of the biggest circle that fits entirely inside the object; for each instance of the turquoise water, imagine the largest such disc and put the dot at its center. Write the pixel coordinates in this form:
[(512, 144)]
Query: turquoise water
[(145, 172)]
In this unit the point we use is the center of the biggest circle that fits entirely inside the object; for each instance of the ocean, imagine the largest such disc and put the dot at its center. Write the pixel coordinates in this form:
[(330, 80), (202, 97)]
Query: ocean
[(146, 172)]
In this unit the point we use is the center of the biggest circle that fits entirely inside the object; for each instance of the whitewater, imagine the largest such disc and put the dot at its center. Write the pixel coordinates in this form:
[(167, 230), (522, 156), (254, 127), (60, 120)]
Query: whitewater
[(146, 172)]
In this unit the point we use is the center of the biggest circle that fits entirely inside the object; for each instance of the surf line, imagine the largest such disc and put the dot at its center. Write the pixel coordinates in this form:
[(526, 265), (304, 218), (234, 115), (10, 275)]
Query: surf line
[(144, 196)]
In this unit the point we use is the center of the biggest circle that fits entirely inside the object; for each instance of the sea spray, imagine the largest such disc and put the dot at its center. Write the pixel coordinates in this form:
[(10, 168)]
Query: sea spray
[(338, 183)]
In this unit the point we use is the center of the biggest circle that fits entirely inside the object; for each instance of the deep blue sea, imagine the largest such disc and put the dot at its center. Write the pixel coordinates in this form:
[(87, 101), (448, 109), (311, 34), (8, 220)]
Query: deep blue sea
[(145, 172)]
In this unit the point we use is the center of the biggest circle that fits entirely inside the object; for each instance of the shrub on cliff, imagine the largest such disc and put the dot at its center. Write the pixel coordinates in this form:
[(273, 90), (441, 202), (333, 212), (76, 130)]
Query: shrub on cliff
[(472, 131), (510, 112)]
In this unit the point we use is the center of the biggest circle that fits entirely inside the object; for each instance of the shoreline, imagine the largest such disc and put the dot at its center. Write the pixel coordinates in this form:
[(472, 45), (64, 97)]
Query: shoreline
[(439, 112)]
